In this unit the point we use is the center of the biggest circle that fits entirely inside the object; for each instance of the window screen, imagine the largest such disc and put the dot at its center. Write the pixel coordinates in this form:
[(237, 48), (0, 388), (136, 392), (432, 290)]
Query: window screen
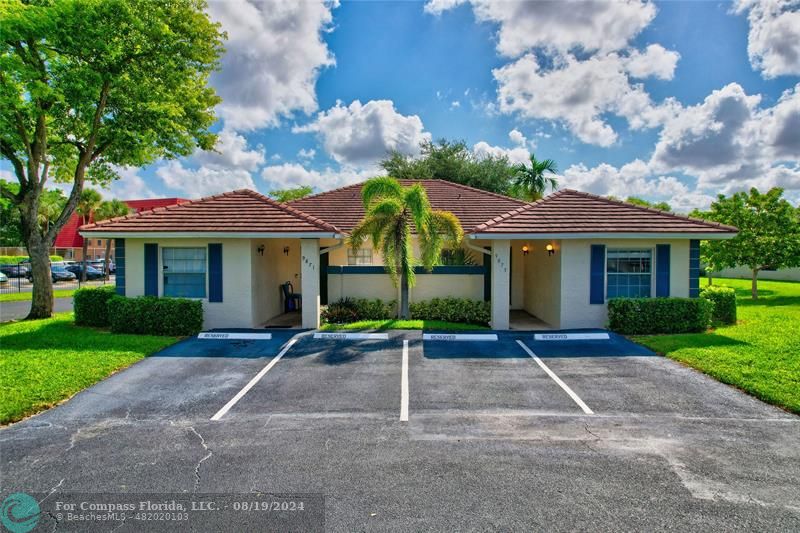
[(628, 273), (361, 257), (184, 272)]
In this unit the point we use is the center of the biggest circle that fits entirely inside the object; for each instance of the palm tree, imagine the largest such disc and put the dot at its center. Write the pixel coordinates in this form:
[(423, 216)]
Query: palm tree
[(531, 181), (392, 211), (87, 203), (104, 211)]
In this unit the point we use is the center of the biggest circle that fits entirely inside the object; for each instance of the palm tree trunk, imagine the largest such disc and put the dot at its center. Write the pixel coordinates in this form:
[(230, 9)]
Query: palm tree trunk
[(404, 313)]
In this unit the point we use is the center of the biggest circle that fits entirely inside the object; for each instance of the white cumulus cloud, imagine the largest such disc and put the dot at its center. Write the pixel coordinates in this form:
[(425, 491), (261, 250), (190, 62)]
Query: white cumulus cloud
[(274, 54), (656, 61), (203, 181), (361, 134), (774, 40), (290, 175)]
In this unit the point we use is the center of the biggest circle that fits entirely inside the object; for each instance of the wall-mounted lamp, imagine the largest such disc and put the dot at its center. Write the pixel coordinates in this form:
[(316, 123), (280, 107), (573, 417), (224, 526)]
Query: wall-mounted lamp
[(525, 249), (286, 250), (550, 249), (260, 249)]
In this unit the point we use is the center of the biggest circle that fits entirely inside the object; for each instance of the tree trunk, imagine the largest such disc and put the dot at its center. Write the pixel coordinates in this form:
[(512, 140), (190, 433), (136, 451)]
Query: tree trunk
[(754, 286), (710, 279), (106, 265), (404, 314), (42, 297)]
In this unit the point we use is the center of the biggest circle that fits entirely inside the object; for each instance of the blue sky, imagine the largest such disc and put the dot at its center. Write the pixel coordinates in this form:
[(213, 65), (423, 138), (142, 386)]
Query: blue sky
[(672, 101)]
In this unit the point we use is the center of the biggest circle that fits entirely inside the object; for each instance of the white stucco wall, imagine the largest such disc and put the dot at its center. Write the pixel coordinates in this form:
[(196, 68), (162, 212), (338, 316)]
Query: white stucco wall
[(269, 271), (576, 311), (447, 286), (368, 286), (234, 311), (541, 288)]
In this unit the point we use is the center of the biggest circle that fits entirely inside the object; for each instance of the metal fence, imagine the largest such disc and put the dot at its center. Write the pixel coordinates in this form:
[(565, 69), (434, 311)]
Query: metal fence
[(16, 279)]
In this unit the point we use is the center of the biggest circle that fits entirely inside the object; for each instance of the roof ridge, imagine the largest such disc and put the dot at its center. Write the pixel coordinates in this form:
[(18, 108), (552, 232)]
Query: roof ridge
[(248, 192), (650, 209), (315, 195)]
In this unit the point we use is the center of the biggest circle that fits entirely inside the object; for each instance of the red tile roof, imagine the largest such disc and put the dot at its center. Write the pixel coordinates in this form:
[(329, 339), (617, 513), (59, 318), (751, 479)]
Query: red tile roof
[(568, 211), (69, 237), (343, 207), (241, 211)]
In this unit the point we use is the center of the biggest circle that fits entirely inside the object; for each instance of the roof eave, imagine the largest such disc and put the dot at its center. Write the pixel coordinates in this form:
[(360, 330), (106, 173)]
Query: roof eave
[(118, 234), (604, 235)]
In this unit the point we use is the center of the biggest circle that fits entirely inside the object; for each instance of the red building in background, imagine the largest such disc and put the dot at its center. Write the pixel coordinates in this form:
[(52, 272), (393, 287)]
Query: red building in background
[(69, 243)]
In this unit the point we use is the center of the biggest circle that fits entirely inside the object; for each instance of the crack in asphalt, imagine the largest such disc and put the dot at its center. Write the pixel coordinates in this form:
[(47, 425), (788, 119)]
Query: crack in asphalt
[(200, 462)]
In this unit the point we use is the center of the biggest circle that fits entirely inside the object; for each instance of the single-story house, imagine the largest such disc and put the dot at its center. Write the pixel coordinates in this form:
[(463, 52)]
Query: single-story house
[(558, 259)]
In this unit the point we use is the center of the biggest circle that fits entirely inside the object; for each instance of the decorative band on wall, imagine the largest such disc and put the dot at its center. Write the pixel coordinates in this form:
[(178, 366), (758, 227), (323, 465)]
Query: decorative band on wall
[(463, 270)]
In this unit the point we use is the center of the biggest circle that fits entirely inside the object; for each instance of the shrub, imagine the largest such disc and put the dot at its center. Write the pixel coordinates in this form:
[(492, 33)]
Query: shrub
[(643, 316), (155, 316), (91, 306), (453, 310), (15, 259), (348, 310), (724, 299)]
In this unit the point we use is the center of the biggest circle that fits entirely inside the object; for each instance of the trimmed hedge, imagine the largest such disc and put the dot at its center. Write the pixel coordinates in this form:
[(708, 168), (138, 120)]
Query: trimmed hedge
[(15, 259), (150, 315), (348, 310), (453, 310), (91, 305), (644, 316), (724, 299)]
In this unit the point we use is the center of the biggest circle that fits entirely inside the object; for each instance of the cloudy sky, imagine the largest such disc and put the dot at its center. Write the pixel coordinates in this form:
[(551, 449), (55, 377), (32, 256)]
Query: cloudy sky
[(673, 101)]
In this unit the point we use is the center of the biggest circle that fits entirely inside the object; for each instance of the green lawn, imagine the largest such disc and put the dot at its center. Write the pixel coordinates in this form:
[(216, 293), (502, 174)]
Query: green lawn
[(43, 362), (760, 355), (402, 324), (26, 296)]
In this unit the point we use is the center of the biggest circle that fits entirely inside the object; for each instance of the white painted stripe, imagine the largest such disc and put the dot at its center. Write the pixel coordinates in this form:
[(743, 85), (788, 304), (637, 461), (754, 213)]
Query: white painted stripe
[(459, 337), (353, 336), (256, 379), (404, 384), (571, 336), (555, 378), (222, 335)]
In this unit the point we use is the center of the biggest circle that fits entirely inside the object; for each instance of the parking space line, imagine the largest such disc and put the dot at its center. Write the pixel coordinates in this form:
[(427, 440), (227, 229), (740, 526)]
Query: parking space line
[(404, 384), (239, 395), (555, 378)]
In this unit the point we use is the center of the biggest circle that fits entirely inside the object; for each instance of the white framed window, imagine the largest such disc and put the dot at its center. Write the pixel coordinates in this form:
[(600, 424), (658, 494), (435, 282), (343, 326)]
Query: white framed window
[(629, 273), (184, 271), (362, 257)]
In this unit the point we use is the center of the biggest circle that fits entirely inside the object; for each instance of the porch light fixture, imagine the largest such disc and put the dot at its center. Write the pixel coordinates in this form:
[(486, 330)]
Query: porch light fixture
[(550, 250), (525, 249), (286, 250), (260, 250)]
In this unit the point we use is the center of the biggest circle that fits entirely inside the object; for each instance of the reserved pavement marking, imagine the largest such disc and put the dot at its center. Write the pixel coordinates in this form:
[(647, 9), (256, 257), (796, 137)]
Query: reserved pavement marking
[(555, 378), (571, 336), (222, 335), (353, 336), (404, 385), (459, 337), (256, 379)]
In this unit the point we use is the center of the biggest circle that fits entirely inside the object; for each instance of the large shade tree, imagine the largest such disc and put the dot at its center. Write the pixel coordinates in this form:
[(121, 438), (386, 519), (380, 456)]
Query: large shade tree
[(88, 85), (769, 233), (393, 213)]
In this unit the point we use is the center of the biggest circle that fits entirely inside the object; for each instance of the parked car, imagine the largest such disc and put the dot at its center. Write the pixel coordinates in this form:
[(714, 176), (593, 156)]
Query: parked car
[(3, 278), (91, 272), (57, 273), (100, 265), (15, 271)]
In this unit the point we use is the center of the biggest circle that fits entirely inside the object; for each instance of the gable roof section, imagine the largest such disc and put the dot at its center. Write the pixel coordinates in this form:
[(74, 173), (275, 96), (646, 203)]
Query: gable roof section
[(236, 212), (573, 212), (343, 207)]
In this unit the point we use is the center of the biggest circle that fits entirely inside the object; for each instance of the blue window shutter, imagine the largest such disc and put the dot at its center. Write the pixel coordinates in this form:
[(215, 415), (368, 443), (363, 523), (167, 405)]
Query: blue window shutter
[(151, 269), (662, 270), (119, 263), (215, 272), (694, 268), (597, 290)]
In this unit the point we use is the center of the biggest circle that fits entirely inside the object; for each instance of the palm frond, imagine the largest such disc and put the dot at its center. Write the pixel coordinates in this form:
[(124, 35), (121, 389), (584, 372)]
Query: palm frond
[(385, 207), (380, 187)]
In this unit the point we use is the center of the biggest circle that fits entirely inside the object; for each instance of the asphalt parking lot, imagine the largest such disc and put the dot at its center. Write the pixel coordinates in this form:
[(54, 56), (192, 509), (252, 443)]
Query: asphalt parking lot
[(405, 433)]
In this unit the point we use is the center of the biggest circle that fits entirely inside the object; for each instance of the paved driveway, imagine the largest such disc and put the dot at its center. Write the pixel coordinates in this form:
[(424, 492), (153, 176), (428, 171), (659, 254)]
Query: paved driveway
[(495, 438)]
